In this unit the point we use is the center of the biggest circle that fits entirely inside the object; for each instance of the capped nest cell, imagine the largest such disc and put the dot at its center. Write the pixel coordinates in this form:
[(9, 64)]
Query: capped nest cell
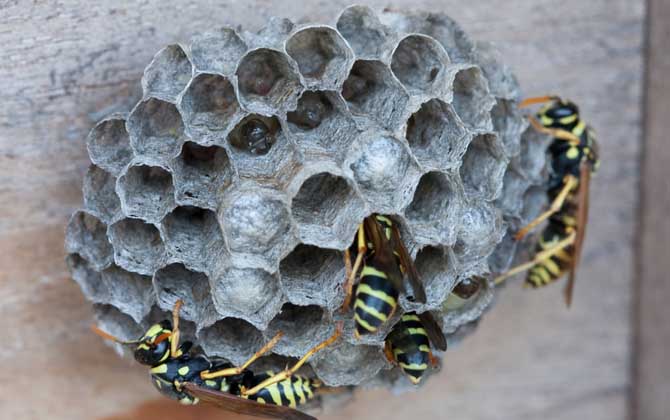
[(240, 178)]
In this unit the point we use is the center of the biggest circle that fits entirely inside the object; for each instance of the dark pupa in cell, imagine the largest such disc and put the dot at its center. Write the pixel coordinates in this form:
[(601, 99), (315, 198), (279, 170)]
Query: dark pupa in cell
[(312, 109), (463, 293), (355, 87), (260, 81), (255, 134)]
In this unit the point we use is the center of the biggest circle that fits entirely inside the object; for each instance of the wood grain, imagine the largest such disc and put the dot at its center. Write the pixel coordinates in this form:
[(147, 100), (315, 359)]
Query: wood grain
[(652, 370), (65, 65)]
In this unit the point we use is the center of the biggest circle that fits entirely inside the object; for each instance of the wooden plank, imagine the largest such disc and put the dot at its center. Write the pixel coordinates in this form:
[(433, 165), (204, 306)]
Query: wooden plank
[(652, 370), (66, 64)]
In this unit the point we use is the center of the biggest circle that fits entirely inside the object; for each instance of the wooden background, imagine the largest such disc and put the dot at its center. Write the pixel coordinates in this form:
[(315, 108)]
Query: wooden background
[(64, 65)]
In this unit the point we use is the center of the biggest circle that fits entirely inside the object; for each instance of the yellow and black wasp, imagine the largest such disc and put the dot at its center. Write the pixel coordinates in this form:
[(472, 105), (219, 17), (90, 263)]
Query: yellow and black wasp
[(190, 378), (463, 293), (383, 260), (574, 157), (408, 344)]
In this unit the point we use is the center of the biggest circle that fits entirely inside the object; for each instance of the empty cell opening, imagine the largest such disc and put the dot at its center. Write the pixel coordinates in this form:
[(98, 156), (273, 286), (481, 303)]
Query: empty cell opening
[(201, 172), (210, 102), (168, 73), (87, 235), (471, 95), (109, 145), (232, 338), (147, 192), (302, 327), (137, 245), (177, 282), (482, 169), (255, 134), (156, 129), (431, 198), (313, 109), (100, 194), (130, 292), (360, 26), (191, 231), (88, 279), (266, 75), (310, 273), (433, 264), (435, 133), (370, 88), (321, 198), (418, 61), (318, 51), (217, 51)]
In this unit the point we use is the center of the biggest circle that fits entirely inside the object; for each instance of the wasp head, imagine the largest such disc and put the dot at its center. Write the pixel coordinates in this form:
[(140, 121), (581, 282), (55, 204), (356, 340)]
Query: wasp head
[(154, 346), (559, 113)]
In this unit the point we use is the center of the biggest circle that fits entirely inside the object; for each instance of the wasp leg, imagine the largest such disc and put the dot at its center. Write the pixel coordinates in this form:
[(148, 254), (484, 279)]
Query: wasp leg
[(388, 352), (287, 373), (174, 341), (237, 370), (434, 361), (351, 277), (539, 257), (554, 132), (569, 183)]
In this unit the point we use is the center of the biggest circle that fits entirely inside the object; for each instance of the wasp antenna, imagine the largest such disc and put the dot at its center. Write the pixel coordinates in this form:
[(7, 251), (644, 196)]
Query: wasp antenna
[(108, 336), (536, 100)]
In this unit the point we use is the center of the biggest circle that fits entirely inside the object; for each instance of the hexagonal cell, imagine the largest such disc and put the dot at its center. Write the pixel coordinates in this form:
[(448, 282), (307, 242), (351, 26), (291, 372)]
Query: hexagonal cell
[(217, 51), (209, 107), (137, 246), (303, 326), (533, 145), (231, 338), (118, 324), (323, 56), (343, 363), (481, 229), (483, 167), (434, 211), (438, 268), (86, 235), (108, 144), (472, 100), (88, 278), (419, 63), (502, 82), (192, 235), (384, 171), (255, 134), (167, 74), (437, 136), (509, 123), (514, 187), (466, 312), (327, 209), (465, 293), (250, 293), (361, 27), (146, 192), (201, 174), (156, 129), (175, 282), (268, 82), (372, 89), (100, 194), (257, 227), (131, 293), (436, 25), (311, 276)]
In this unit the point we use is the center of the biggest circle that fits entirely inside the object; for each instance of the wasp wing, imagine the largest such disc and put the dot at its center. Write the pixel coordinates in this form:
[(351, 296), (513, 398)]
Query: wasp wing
[(582, 218), (383, 258), (433, 330), (408, 264), (239, 405)]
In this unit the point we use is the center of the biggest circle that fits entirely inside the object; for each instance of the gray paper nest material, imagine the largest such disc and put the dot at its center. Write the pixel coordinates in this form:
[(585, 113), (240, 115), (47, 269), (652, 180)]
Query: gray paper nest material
[(400, 114)]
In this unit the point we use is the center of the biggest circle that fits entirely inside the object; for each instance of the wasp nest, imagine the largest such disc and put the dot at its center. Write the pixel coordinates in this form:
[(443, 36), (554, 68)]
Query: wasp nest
[(239, 179)]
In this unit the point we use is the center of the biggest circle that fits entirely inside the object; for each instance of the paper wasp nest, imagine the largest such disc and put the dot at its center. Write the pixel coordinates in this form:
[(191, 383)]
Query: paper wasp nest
[(239, 179)]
